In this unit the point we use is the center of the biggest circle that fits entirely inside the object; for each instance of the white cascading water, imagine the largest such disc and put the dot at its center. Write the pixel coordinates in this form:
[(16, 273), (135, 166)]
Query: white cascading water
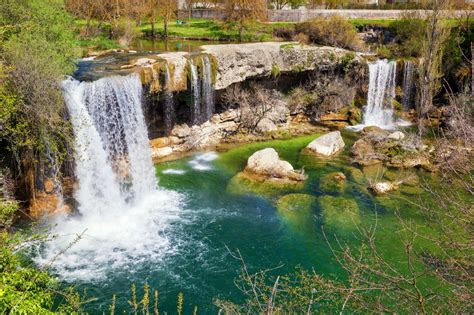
[(196, 93), (207, 88), (408, 88), (382, 83), (169, 110), (122, 211)]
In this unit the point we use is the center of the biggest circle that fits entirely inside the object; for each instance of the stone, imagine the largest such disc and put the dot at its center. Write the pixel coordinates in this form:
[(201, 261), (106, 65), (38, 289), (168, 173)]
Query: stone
[(373, 130), (158, 153), (160, 142), (334, 117), (328, 144), (364, 153), (382, 188), (267, 162), (299, 203), (266, 125), (333, 182), (181, 131), (296, 209), (339, 212), (397, 135), (48, 185), (48, 205)]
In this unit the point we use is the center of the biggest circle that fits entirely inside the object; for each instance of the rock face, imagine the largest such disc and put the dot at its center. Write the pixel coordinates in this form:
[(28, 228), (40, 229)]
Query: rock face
[(328, 144), (239, 62), (266, 162)]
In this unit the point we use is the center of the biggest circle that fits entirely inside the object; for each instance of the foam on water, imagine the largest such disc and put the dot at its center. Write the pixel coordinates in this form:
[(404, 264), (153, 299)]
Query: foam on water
[(201, 162), (174, 171)]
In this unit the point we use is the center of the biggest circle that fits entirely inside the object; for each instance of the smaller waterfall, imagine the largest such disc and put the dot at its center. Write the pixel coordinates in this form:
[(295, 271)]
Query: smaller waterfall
[(408, 87), (169, 107), (382, 83), (196, 93), (207, 88), (202, 89)]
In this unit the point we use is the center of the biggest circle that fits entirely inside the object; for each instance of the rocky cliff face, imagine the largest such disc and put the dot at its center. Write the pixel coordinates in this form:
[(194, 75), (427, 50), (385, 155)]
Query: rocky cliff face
[(234, 63), (239, 62)]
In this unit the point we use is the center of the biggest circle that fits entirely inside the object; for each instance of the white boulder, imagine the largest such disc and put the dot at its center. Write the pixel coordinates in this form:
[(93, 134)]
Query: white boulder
[(267, 162), (328, 144), (397, 135)]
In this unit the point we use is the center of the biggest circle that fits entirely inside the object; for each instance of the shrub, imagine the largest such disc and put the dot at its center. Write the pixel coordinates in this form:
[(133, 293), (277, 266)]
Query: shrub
[(284, 32), (332, 31), (126, 32), (302, 38)]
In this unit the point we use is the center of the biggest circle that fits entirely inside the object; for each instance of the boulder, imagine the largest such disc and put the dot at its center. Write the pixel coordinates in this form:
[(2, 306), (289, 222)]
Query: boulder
[(328, 144), (333, 182), (339, 212), (296, 209), (382, 188), (397, 135), (373, 130), (266, 125), (158, 153), (266, 162), (181, 131)]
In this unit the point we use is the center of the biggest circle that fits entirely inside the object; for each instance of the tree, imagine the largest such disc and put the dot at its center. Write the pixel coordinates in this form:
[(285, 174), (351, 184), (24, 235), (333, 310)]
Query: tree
[(437, 31), (281, 4), (167, 10), (242, 12)]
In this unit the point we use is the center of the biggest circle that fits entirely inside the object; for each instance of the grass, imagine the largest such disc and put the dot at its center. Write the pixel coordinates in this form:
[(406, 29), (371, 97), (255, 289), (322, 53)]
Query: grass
[(215, 30)]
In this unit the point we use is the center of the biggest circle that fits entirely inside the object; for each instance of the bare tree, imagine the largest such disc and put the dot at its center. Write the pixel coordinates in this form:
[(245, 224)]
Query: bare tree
[(436, 31), (241, 12)]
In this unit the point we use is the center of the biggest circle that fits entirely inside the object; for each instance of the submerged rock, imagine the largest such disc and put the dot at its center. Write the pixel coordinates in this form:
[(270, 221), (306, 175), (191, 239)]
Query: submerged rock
[(339, 212), (266, 162), (296, 203), (333, 182), (381, 188), (296, 209), (364, 153), (328, 144)]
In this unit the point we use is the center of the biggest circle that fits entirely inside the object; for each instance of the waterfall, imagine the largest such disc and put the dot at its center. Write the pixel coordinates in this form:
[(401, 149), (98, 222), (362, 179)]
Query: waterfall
[(207, 88), (382, 83), (115, 105), (169, 110), (202, 91), (408, 87), (123, 214), (196, 93)]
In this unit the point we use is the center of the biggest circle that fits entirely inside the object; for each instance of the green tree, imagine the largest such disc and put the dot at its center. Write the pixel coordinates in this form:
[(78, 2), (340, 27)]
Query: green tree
[(37, 47)]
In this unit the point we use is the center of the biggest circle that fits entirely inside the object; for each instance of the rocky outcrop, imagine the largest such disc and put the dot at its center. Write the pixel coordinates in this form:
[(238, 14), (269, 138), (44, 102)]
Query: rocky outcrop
[(239, 62), (327, 145), (267, 163), (236, 63)]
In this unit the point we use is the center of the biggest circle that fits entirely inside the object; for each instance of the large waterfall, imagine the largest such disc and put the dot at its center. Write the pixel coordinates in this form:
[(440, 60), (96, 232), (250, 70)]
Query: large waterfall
[(202, 90), (122, 212), (382, 83)]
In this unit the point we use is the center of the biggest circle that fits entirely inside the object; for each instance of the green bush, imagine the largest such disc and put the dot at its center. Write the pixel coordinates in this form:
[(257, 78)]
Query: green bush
[(333, 31), (409, 36)]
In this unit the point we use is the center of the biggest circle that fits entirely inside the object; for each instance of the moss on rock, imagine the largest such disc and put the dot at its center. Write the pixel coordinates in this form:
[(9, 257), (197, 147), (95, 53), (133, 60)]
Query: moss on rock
[(334, 182), (339, 212)]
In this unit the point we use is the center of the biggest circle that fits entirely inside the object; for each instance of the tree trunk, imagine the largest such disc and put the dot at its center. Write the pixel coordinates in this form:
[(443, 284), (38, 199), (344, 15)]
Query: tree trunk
[(153, 31), (166, 26), (88, 25)]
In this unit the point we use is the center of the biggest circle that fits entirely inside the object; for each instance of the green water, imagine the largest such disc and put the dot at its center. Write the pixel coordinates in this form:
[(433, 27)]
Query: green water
[(218, 216)]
